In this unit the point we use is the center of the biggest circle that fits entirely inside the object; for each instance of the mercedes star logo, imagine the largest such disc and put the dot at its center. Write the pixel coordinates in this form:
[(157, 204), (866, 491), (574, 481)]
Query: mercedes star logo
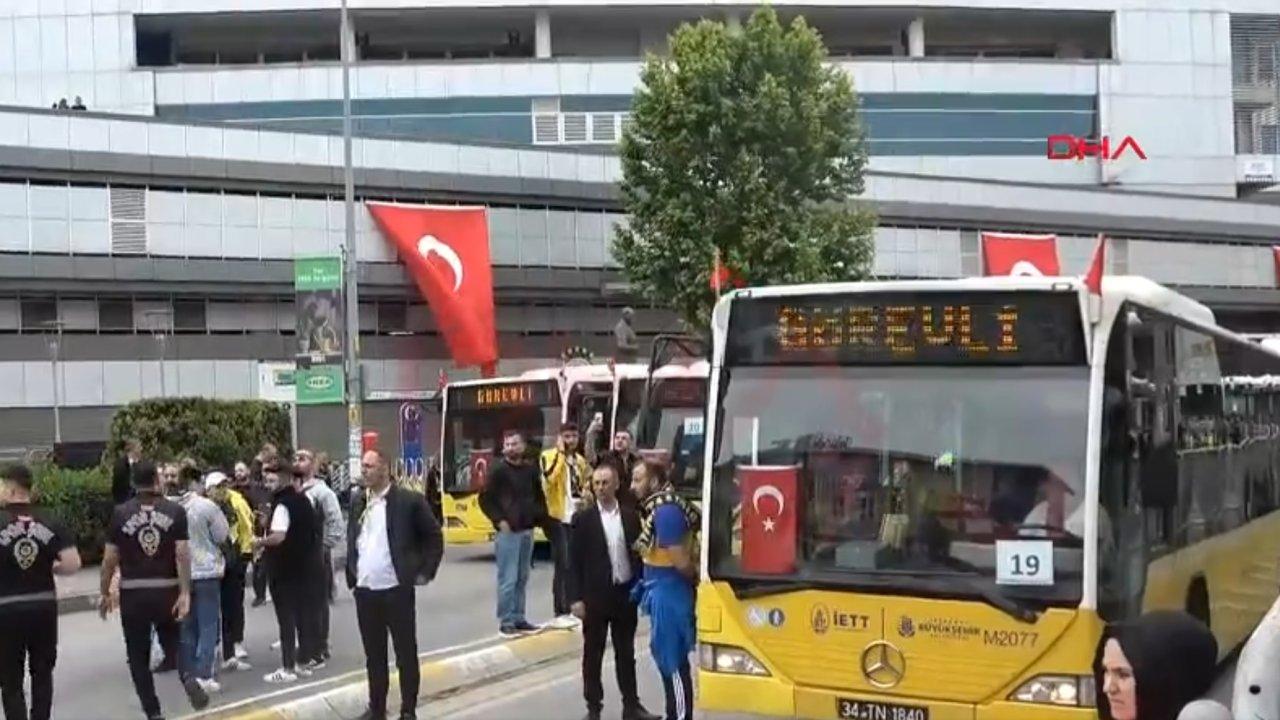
[(883, 665)]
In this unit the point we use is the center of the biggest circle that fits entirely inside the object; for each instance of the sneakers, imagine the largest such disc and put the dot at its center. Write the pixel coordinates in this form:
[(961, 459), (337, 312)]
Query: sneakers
[(196, 693), (509, 631), (564, 622), (210, 686), (280, 677), (241, 653), (303, 671), (527, 627), (236, 664), (314, 665)]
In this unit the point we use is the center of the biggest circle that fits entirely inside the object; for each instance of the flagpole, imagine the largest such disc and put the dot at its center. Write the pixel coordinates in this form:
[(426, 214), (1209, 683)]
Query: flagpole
[(351, 262)]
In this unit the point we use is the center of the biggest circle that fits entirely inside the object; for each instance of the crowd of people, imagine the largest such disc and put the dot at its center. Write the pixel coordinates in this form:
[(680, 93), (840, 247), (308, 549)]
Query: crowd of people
[(181, 542), (175, 567), (622, 542)]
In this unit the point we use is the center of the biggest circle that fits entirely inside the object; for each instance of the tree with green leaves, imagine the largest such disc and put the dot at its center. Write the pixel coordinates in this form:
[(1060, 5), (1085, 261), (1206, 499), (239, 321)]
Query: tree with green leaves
[(744, 145)]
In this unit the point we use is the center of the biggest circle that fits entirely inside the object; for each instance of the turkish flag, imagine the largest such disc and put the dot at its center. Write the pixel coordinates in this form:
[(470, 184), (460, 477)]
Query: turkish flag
[(1275, 252), (770, 518), (1009, 254), (446, 250), (479, 464)]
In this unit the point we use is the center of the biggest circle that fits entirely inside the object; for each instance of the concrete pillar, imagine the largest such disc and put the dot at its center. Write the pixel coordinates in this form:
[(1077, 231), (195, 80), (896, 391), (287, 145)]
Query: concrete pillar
[(542, 34), (915, 38)]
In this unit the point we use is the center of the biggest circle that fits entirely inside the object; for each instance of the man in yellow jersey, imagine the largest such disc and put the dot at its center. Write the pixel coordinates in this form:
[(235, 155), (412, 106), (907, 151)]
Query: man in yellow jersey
[(565, 474), (668, 535), (239, 552)]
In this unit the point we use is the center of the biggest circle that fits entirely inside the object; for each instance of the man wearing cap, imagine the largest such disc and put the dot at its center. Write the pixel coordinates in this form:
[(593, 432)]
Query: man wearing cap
[(33, 546), (207, 531), (238, 551)]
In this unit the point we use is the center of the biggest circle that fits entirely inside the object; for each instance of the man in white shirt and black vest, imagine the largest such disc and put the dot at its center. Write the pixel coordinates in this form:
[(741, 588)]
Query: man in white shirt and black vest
[(393, 544), (603, 570)]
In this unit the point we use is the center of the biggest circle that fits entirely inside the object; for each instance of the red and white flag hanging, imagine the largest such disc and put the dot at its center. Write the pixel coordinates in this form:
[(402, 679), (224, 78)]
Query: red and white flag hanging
[(1023, 255), (1275, 253), (770, 518), (446, 250)]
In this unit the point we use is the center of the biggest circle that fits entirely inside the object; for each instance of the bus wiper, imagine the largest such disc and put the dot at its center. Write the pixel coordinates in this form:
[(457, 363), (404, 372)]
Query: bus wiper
[(764, 587), (1010, 606)]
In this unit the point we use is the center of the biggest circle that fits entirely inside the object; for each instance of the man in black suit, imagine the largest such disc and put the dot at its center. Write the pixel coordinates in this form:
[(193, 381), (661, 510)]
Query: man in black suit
[(393, 544), (122, 473), (603, 569)]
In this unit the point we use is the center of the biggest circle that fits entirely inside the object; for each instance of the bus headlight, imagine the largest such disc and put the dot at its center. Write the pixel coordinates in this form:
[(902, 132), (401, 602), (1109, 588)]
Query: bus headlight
[(729, 660), (1065, 690)]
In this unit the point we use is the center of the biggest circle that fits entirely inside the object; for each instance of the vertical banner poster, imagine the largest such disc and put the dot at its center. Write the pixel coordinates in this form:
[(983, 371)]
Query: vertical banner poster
[(411, 445), (317, 283)]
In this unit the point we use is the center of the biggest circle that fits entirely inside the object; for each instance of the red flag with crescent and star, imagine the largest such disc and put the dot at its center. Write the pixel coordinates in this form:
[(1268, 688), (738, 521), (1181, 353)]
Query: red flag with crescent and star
[(770, 518), (446, 250), (1026, 255), (478, 465)]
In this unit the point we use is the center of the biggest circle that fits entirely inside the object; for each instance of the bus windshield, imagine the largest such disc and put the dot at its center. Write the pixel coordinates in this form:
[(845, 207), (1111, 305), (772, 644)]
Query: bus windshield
[(673, 423), (909, 475), (476, 416)]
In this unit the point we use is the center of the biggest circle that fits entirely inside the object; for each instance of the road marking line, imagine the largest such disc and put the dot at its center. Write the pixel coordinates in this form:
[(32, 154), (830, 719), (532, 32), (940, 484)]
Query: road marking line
[(335, 680)]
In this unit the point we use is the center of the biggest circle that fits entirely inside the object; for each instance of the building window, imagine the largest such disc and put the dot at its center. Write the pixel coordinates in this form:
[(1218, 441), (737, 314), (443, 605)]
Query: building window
[(190, 316), (115, 315), (38, 314), (392, 318)]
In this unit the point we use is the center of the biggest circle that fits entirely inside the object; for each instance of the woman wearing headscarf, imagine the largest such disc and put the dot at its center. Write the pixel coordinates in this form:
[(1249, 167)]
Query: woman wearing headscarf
[(1152, 667)]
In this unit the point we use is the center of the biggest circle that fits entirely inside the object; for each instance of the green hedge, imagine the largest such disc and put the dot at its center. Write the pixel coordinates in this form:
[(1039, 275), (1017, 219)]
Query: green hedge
[(215, 433), (81, 499)]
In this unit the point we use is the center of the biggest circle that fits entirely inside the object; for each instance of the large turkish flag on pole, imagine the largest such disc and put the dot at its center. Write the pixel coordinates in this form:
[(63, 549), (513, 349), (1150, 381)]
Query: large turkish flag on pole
[(1009, 254), (770, 518), (446, 250)]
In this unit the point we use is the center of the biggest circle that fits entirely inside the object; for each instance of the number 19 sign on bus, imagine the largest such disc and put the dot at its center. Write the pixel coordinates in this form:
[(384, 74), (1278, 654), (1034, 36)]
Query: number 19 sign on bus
[(921, 496)]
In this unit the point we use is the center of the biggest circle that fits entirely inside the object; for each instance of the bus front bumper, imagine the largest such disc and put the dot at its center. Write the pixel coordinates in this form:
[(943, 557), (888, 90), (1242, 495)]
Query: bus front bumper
[(725, 697)]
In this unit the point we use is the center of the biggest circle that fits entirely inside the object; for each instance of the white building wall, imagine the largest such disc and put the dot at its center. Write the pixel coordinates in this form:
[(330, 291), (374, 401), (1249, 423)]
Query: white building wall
[(55, 49)]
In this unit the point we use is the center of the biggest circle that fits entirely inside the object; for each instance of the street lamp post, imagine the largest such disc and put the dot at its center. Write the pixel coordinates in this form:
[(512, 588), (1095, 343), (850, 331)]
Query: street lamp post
[(351, 261), (158, 332), (55, 351)]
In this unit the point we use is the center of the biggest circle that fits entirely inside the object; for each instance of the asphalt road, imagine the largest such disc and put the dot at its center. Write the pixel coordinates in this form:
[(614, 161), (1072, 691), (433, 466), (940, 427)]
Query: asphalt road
[(455, 613)]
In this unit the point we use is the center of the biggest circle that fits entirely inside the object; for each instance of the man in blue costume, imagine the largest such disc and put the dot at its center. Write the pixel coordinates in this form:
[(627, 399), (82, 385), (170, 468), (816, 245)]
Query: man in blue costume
[(668, 545)]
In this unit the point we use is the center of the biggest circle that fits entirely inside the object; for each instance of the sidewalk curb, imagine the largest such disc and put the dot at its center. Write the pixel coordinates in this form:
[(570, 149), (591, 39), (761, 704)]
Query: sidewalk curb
[(440, 677)]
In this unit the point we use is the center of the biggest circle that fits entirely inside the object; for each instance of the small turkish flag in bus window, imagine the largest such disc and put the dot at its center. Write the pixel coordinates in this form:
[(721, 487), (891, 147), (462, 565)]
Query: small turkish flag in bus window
[(770, 518), (479, 465), (1024, 255)]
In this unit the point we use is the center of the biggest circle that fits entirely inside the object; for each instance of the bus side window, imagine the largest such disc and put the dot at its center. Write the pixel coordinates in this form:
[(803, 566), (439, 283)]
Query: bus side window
[(1152, 394)]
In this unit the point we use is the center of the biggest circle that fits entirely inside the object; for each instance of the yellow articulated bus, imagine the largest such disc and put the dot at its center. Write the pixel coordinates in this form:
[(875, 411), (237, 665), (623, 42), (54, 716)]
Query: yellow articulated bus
[(475, 413), (981, 474)]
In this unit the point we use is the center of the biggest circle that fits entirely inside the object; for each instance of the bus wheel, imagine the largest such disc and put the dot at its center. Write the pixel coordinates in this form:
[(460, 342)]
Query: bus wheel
[(1198, 602)]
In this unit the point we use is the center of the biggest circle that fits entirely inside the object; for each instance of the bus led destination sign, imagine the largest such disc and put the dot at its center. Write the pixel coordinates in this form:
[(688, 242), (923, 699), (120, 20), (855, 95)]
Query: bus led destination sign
[(505, 395), (1003, 328)]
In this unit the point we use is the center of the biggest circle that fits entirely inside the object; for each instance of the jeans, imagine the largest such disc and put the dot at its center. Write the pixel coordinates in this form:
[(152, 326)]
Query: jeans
[(514, 551), (389, 612), (200, 629), (28, 637)]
